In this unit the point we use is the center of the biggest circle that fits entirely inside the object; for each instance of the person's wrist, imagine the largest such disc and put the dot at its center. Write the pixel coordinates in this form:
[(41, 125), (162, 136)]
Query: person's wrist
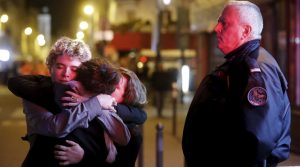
[(104, 100)]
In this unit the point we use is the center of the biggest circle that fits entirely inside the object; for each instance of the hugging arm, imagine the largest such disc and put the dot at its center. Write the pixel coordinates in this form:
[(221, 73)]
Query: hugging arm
[(41, 121), (33, 88), (39, 90), (56, 121)]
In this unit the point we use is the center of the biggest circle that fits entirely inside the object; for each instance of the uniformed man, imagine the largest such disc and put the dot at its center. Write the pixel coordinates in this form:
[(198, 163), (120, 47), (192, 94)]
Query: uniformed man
[(240, 114)]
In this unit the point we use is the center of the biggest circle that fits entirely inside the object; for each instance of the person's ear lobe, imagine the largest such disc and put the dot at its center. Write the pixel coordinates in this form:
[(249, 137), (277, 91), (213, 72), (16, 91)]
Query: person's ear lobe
[(247, 31)]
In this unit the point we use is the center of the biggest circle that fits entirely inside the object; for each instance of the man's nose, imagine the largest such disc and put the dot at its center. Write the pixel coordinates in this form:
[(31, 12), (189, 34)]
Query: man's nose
[(67, 72), (217, 28)]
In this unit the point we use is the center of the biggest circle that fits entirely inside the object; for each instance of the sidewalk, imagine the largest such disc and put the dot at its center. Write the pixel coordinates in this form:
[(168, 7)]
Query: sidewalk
[(172, 152)]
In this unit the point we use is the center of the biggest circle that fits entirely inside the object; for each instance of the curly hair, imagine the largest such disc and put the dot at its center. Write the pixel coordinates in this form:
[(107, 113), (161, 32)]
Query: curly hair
[(98, 76), (135, 92), (72, 47)]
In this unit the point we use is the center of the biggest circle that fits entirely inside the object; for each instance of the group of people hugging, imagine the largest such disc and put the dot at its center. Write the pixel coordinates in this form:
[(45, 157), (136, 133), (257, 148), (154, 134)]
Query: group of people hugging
[(88, 112)]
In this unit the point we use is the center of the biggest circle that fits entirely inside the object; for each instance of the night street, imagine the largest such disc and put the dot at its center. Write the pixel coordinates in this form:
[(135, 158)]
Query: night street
[(219, 79), (12, 128)]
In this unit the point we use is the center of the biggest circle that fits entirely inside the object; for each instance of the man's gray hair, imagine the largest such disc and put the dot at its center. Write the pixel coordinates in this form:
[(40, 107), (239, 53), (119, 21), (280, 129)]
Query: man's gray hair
[(250, 14)]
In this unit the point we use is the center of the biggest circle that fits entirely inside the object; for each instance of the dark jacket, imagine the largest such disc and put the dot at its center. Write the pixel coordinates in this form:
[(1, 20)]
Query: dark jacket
[(39, 90), (226, 129)]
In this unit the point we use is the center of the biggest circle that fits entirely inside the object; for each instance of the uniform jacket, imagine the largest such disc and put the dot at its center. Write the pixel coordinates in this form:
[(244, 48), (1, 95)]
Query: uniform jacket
[(226, 127)]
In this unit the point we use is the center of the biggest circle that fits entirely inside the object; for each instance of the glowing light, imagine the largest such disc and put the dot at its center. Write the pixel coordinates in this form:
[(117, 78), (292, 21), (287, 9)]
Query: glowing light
[(80, 35), (140, 65), (143, 59), (88, 9), (297, 40), (167, 2), (4, 55), (83, 25), (185, 73), (4, 18), (28, 31), (41, 40)]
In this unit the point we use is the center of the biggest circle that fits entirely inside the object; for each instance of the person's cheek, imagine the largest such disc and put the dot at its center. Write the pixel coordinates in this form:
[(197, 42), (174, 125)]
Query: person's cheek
[(73, 76)]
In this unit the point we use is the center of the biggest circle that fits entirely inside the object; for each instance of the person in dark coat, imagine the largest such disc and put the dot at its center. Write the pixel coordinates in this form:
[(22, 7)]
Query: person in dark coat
[(240, 115), (161, 84)]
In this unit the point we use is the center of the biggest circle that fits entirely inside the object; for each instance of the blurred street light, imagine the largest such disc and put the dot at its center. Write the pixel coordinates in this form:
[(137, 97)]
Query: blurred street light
[(80, 35), (26, 41), (28, 31), (40, 48), (83, 25), (41, 40), (166, 2), (88, 9), (4, 18)]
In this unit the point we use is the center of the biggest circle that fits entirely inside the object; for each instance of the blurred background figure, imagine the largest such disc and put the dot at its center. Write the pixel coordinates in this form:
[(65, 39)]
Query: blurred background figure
[(161, 84)]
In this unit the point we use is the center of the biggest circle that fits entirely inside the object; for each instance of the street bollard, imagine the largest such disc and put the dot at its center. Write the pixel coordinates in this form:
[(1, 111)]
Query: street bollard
[(174, 122), (159, 145), (174, 107)]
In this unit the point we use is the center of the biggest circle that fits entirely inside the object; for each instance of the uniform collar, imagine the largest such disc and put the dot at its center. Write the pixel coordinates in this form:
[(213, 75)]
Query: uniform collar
[(242, 51)]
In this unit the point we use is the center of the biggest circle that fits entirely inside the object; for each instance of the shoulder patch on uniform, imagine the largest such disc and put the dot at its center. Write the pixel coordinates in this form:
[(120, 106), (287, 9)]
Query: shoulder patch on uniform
[(257, 96)]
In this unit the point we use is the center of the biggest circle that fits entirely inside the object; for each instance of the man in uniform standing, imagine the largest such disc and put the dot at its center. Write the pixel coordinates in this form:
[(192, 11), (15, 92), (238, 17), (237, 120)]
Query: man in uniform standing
[(240, 115)]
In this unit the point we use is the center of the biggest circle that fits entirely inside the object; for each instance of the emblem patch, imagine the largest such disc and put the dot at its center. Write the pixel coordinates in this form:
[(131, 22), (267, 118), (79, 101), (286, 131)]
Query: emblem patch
[(257, 96)]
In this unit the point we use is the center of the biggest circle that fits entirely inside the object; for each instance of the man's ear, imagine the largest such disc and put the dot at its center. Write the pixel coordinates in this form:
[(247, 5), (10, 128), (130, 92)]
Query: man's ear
[(247, 31)]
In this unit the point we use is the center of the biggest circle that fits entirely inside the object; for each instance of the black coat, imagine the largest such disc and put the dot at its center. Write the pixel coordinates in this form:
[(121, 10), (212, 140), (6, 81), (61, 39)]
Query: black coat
[(226, 130)]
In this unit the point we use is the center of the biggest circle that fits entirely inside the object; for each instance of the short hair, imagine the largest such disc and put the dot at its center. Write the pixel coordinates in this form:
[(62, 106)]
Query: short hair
[(250, 14), (98, 76), (135, 93), (72, 47)]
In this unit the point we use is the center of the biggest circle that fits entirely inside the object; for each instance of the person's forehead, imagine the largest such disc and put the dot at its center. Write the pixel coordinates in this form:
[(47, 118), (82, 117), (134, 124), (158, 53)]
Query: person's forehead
[(67, 59), (123, 79), (229, 10), (230, 13)]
